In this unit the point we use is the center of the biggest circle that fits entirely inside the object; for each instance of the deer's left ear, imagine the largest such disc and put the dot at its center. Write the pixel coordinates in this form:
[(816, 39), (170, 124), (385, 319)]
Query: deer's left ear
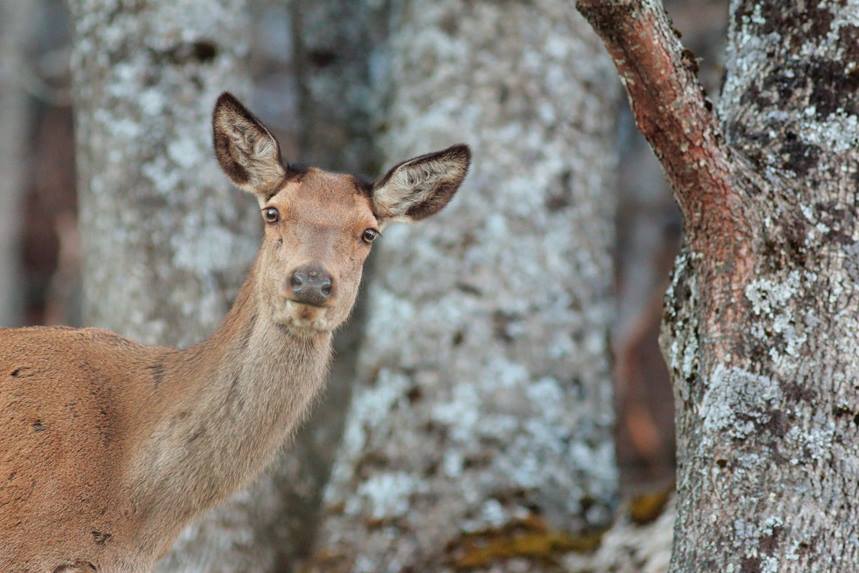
[(247, 151), (422, 186)]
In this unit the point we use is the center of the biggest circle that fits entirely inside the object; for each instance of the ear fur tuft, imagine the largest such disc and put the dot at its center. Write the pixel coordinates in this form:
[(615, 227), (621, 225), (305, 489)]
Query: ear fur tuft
[(421, 186), (247, 151)]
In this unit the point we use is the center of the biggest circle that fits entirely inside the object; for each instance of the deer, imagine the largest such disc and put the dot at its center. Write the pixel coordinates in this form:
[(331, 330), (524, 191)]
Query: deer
[(108, 448)]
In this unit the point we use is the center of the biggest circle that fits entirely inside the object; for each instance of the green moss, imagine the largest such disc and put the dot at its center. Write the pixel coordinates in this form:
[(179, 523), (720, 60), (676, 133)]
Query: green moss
[(648, 507), (530, 538)]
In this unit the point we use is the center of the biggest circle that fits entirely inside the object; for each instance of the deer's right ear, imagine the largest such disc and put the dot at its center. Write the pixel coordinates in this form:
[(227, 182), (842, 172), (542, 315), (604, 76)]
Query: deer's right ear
[(247, 151)]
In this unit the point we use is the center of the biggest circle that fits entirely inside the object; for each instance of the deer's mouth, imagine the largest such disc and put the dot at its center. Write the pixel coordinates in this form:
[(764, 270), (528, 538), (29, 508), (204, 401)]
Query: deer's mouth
[(306, 317), (304, 304)]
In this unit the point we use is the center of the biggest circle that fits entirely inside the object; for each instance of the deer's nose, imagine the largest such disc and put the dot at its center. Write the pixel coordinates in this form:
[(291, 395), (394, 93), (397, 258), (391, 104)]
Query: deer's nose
[(310, 284)]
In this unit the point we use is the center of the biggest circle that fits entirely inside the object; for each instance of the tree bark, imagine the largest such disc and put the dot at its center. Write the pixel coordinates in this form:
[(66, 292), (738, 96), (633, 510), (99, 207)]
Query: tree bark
[(15, 25), (166, 240), (761, 317), (483, 409)]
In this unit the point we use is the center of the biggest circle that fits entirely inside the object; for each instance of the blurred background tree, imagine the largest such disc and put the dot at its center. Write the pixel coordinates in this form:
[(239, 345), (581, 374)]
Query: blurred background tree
[(483, 398), (16, 21), (316, 71)]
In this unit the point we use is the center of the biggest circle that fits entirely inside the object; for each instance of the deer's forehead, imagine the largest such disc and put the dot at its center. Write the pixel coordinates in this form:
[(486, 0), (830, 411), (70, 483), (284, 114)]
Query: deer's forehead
[(326, 198)]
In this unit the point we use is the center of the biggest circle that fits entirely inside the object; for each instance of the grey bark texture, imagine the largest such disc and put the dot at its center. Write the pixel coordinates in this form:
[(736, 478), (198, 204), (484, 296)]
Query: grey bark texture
[(763, 312), (167, 241), (16, 20), (483, 399), (769, 425)]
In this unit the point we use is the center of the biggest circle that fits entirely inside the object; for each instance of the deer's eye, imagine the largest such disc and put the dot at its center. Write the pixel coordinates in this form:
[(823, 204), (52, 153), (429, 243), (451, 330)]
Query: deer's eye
[(271, 215), (369, 235)]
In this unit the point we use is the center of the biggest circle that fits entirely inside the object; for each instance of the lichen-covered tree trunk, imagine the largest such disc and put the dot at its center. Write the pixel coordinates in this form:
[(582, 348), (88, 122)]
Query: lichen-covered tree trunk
[(166, 240), (15, 24), (483, 407), (769, 403), (762, 318)]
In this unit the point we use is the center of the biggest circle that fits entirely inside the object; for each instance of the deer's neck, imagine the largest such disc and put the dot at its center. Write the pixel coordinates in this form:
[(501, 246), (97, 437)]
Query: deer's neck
[(229, 404)]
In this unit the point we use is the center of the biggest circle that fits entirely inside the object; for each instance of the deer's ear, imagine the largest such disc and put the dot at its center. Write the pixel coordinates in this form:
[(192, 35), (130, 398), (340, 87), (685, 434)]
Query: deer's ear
[(421, 186), (247, 151)]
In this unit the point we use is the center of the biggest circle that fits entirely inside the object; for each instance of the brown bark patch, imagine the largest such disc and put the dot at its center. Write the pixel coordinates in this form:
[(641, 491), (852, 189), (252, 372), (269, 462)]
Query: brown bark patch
[(834, 85)]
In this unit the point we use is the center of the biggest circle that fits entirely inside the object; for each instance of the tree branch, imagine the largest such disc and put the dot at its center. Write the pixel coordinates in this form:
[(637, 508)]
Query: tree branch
[(669, 104)]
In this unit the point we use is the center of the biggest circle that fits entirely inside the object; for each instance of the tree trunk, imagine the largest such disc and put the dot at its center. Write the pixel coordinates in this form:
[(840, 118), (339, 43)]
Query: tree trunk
[(167, 241), (335, 43), (483, 409), (761, 318), (15, 26)]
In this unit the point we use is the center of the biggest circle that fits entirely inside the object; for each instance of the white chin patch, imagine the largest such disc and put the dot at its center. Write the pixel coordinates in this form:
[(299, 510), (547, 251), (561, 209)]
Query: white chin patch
[(304, 317)]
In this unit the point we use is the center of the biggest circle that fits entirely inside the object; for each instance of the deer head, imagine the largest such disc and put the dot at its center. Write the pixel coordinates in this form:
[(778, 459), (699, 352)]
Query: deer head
[(320, 226)]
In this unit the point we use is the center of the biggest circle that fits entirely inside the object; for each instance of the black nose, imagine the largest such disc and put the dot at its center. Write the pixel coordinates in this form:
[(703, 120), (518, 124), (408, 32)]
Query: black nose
[(310, 284)]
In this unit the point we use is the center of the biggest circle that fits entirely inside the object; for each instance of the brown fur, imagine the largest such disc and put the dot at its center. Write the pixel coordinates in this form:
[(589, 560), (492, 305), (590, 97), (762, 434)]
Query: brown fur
[(108, 448)]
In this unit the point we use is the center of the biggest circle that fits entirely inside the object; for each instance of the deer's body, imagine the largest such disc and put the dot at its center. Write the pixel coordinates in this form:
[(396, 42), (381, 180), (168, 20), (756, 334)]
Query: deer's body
[(64, 443), (113, 446), (108, 448)]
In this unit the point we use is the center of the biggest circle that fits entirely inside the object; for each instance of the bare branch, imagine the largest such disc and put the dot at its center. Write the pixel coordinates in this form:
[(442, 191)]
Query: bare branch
[(669, 104)]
